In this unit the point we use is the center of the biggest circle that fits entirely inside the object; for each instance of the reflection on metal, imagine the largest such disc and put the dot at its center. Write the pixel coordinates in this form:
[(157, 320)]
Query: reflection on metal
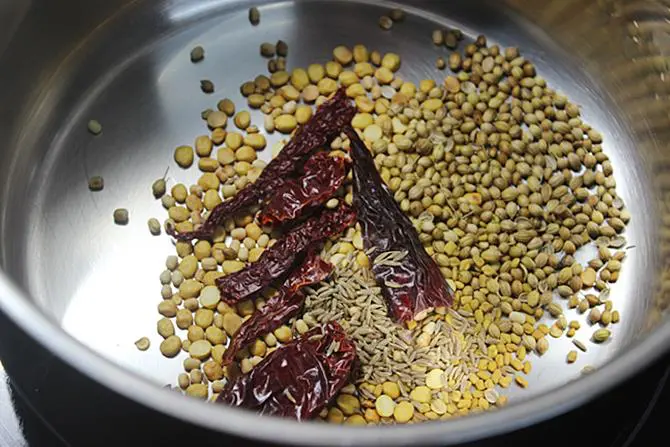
[(10, 431)]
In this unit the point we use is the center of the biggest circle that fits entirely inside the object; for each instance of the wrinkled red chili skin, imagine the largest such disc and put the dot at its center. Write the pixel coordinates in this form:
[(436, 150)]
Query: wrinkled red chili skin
[(386, 228), (298, 379), (326, 123), (286, 303), (323, 176), (278, 259)]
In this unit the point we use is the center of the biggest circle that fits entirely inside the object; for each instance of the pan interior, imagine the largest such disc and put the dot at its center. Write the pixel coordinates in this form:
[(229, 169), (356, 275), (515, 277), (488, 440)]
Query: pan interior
[(134, 76)]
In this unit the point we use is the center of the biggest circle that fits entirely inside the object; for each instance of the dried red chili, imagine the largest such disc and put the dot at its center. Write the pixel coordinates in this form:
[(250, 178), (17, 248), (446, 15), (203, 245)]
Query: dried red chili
[(286, 303), (415, 284), (278, 259), (323, 175), (327, 122), (298, 379)]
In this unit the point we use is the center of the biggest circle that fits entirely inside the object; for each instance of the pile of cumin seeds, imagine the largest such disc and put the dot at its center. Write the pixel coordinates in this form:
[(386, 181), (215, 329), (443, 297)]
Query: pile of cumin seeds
[(388, 351)]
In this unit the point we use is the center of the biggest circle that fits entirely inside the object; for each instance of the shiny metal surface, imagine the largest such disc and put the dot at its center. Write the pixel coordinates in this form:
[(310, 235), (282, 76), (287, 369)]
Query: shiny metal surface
[(70, 274), (9, 424)]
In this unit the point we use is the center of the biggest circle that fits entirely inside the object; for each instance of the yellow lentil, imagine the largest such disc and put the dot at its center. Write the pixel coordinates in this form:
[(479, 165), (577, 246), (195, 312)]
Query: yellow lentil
[(403, 412), (385, 406)]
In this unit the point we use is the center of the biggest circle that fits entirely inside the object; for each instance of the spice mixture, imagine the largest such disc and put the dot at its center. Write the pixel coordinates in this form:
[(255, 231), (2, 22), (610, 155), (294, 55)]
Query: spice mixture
[(500, 183)]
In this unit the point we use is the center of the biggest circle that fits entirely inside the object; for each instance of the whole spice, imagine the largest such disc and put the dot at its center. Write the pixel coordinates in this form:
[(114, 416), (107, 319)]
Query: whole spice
[(278, 259), (601, 335), (504, 227), (282, 48), (326, 123), (197, 54), (323, 176), (267, 49), (572, 357), (207, 86), (94, 127), (451, 39), (579, 344), (158, 188), (121, 216), (385, 23), (397, 15), (412, 284), (352, 298), (254, 16), (298, 379), (154, 226), (96, 183), (437, 37), (285, 304)]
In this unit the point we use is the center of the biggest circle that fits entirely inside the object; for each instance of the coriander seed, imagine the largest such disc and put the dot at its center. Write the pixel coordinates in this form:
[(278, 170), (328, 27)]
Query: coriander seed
[(158, 188), (254, 16), (397, 15), (154, 226), (385, 23), (197, 54), (451, 40), (281, 48), (121, 216), (267, 49), (207, 86), (96, 183)]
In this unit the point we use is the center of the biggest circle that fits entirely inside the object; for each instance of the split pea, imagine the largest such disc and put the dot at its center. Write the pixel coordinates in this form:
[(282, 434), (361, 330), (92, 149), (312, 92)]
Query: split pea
[(183, 155), (143, 344)]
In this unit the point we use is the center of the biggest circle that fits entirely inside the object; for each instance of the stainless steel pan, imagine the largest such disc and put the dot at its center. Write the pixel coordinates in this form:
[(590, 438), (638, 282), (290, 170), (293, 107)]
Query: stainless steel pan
[(85, 289)]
